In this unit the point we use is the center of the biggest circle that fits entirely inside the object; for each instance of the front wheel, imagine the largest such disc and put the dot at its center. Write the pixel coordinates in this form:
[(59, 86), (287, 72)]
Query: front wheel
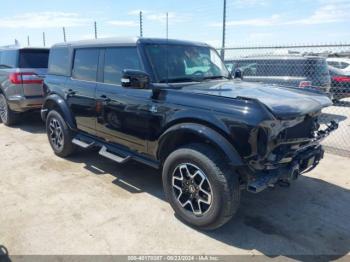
[(59, 134), (201, 188)]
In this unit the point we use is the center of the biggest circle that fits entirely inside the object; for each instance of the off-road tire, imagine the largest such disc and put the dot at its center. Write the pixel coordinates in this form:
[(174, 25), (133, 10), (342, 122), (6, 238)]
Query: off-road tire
[(55, 120), (223, 181)]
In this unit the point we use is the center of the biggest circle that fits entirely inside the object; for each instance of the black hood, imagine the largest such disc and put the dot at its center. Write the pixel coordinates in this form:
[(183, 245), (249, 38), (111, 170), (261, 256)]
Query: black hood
[(282, 102)]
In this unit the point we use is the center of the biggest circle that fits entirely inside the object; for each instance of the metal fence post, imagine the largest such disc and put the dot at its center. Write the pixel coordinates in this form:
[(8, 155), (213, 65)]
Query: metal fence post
[(28, 41), (167, 25), (64, 34), (141, 25), (44, 39), (223, 32), (95, 27)]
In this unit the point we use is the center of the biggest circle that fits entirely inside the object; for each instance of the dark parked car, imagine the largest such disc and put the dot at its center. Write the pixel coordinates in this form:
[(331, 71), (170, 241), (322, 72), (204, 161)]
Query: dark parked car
[(172, 105), (21, 81), (290, 71), (340, 83)]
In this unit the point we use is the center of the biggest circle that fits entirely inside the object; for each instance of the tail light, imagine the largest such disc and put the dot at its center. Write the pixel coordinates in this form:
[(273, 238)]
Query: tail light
[(305, 84), (341, 79), (25, 78)]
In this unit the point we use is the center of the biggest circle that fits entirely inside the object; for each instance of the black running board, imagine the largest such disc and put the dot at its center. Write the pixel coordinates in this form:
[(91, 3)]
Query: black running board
[(113, 152)]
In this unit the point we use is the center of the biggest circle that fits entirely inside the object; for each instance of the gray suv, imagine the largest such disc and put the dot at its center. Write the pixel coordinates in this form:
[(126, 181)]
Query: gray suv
[(290, 71), (21, 81)]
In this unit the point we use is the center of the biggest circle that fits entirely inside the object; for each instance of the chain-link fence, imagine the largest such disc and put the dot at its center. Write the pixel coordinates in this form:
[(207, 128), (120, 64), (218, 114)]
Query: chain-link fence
[(325, 68)]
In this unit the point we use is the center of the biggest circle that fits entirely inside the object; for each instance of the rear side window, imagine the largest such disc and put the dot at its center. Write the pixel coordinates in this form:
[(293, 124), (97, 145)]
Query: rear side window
[(29, 58), (85, 64), (118, 59), (9, 58), (59, 61)]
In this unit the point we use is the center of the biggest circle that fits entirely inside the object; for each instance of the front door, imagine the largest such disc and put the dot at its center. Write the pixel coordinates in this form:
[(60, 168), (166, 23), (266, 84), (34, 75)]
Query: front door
[(124, 114)]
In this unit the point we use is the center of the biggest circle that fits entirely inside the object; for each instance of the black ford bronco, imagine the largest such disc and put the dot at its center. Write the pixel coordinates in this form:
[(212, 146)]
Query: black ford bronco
[(172, 105)]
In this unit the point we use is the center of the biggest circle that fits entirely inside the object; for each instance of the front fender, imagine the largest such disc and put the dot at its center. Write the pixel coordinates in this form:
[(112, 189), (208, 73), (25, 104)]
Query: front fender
[(206, 134), (56, 102)]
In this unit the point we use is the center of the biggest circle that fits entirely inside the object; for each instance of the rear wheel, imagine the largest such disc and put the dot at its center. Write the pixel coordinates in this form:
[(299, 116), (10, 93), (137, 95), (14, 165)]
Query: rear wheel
[(7, 116), (201, 188), (59, 134)]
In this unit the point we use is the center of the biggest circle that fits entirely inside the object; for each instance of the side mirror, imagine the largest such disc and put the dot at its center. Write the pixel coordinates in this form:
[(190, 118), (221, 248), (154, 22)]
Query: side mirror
[(238, 74), (135, 79)]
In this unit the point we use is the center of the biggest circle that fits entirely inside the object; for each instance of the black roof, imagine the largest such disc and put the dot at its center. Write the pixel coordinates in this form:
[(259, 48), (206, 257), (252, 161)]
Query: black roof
[(130, 41)]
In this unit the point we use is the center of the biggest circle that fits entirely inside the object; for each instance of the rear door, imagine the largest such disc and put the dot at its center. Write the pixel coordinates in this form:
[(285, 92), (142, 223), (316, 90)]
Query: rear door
[(80, 88), (33, 65)]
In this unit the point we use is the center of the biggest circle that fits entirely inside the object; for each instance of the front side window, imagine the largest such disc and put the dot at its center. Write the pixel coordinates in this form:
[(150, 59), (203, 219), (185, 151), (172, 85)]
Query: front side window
[(180, 63), (118, 59), (85, 64)]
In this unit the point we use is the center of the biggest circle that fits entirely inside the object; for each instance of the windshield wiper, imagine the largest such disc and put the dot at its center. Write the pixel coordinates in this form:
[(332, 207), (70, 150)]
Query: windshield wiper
[(180, 79)]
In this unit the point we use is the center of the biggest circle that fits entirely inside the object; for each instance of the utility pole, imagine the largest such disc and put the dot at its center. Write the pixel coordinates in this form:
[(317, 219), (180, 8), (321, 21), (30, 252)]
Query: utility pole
[(64, 34), (28, 42), (95, 27), (44, 39), (141, 25), (223, 32), (167, 25)]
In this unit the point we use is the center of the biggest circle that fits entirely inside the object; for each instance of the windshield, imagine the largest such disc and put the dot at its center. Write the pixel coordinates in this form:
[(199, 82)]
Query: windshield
[(183, 63)]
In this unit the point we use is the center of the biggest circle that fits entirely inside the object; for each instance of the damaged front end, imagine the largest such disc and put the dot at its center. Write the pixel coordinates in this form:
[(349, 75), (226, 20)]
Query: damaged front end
[(284, 149)]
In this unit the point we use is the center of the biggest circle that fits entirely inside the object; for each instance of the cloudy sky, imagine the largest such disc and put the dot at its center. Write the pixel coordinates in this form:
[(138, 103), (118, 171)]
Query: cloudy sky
[(249, 22)]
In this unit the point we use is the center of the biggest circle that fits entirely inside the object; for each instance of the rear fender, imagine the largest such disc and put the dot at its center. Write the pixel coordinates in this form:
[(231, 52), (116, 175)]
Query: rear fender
[(55, 102)]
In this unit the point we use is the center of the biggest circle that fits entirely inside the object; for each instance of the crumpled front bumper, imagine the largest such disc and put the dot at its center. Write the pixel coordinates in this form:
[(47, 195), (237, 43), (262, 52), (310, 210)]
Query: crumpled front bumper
[(284, 150), (302, 163), (287, 168)]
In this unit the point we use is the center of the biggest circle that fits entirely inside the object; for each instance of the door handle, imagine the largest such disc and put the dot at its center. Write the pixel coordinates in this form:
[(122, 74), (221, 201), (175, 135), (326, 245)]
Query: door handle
[(105, 98)]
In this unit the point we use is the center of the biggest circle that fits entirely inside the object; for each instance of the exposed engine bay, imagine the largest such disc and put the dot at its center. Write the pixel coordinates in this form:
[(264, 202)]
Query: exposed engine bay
[(284, 149)]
